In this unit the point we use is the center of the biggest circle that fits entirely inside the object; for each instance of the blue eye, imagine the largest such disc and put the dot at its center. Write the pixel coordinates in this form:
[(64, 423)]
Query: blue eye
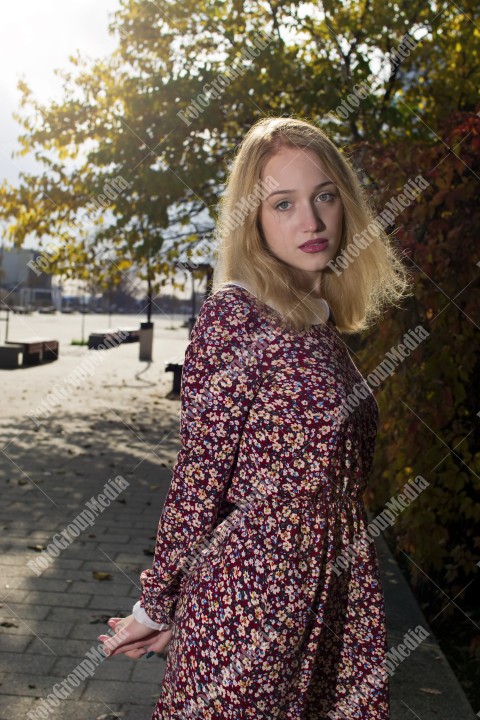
[(282, 202), (329, 195), (324, 197)]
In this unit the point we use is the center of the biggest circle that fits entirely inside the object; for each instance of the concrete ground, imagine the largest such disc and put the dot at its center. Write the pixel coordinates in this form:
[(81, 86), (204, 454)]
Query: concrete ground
[(118, 421)]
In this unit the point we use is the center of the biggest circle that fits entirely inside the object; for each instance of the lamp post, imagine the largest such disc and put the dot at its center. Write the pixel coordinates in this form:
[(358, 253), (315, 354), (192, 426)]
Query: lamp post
[(146, 328)]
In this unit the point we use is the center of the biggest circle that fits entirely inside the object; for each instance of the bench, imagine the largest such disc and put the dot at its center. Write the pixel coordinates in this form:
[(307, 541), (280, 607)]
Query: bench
[(50, 350), (130, 334), (36, 351), (176, 368), (103, 340), (11, 356)]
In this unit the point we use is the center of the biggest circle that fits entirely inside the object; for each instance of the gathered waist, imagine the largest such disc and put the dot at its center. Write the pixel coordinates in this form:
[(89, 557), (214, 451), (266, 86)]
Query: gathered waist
[(285, 520), (326, 493)]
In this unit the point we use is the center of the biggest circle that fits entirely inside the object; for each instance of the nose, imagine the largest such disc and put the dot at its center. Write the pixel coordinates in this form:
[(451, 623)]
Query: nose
[(311, 220)]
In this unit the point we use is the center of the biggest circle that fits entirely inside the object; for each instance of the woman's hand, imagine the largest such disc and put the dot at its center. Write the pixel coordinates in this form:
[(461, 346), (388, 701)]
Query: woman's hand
[(133, 638)]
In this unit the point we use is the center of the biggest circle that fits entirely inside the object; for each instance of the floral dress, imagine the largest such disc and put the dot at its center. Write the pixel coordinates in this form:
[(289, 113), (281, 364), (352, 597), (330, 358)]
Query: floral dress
[(266, 495)]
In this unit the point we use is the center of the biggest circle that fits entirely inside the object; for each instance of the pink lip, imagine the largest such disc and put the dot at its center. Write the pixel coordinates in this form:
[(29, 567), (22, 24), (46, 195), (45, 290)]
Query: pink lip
[(315, 241)]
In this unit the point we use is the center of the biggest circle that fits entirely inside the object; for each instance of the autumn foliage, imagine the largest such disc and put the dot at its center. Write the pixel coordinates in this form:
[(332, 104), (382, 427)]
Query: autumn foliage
[(429, 421)]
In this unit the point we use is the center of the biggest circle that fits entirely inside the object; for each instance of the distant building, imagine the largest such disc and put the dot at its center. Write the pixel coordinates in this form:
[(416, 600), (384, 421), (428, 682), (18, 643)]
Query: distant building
[(23, 283)]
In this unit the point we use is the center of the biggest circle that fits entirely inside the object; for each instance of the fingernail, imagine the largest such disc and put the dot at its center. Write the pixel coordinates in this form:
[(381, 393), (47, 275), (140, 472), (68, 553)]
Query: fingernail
[(150, 654)]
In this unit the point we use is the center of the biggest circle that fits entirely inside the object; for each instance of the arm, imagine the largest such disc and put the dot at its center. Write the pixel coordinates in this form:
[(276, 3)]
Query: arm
[(221, 376)]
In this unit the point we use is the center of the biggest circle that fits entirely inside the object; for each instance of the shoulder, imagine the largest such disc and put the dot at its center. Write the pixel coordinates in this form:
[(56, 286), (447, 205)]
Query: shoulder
[(231, 310), (232, 326)]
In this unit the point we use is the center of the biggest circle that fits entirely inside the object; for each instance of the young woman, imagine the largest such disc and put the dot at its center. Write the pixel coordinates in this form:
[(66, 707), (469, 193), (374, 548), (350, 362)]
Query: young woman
[(260, 619)]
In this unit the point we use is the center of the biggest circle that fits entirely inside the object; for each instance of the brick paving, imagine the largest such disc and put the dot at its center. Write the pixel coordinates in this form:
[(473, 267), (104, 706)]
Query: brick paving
[(117, 423)]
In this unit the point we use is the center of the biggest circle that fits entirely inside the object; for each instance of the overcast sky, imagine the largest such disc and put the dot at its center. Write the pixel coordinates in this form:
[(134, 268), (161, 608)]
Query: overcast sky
[(36, 37)]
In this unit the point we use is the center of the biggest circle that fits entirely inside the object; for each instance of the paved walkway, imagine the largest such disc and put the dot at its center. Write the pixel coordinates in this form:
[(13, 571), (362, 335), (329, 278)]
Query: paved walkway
[(119, 423)]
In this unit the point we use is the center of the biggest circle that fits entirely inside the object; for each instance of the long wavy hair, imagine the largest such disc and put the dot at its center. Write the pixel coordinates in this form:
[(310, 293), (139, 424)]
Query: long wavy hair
[(359, 293)]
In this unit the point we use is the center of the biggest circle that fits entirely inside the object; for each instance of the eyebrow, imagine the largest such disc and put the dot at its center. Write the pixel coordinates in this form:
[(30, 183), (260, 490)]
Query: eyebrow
[(281, 192)]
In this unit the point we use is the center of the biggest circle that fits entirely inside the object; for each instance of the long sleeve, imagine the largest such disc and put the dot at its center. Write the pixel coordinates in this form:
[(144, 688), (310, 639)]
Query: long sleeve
[(141, 616), (220, 378)]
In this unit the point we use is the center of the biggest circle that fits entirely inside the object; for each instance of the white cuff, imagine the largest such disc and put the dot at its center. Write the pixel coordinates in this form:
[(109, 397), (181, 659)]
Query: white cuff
[(141, 616)]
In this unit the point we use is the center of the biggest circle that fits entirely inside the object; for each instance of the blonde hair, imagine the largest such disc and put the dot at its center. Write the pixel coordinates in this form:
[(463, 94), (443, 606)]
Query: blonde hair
[(375, 278)]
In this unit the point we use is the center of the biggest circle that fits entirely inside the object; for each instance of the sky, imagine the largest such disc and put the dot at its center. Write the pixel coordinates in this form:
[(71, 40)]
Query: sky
[(36, 37)]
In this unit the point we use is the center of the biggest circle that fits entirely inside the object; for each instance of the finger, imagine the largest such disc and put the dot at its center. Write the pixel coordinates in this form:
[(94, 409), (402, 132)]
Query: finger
[(114, 624), (126, 637), (119, 623), (128, 650), (136, 654), (114, 637), (158, 645), (112, 650)]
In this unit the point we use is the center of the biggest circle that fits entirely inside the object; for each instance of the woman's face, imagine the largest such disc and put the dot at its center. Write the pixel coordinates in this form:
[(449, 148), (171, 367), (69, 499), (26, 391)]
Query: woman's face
[(306, 206)]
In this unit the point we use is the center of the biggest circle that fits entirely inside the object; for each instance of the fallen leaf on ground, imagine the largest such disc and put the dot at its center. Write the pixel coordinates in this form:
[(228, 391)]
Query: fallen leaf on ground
[(431, 691), (37, 548), (101, 575)]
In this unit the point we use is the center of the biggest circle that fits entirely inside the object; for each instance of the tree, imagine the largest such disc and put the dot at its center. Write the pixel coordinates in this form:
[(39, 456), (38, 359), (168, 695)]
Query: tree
[(132, 164)]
